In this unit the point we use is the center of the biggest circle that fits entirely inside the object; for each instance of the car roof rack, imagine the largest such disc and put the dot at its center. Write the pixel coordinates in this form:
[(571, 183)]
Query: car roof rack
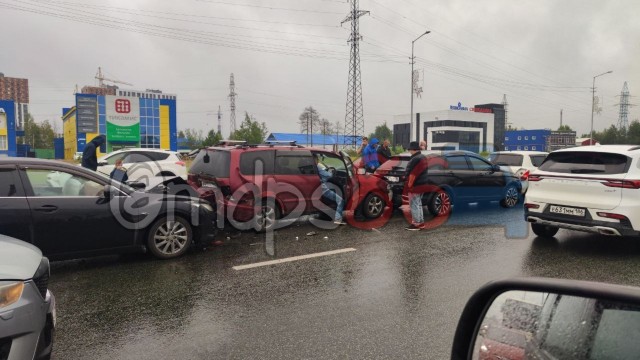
[(281, 142), (231, 142)]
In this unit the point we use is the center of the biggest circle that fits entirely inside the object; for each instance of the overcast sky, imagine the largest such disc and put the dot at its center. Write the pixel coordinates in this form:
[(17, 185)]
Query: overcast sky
[(289, 54)]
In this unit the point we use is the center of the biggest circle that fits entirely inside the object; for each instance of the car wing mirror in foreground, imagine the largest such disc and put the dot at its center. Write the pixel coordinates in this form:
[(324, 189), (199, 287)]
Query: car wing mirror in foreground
[(536, 318), (495, 167), (103, 163)]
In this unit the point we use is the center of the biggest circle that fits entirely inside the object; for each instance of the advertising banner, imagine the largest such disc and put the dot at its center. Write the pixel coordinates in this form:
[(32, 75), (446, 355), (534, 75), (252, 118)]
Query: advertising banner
[(123, 118), (87, 113)]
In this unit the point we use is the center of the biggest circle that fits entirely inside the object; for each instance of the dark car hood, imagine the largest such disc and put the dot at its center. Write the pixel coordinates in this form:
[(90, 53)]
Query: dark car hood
[(18, 260)]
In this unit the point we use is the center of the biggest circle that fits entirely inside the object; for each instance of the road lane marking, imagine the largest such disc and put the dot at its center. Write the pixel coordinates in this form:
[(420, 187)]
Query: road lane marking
[(294, 258)]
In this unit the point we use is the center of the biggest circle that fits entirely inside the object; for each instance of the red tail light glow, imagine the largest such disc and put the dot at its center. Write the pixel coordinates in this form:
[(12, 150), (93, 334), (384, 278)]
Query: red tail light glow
[(535, 178), (612, 215), (625, 184), (531, 206), (525, 175), (180, 163)]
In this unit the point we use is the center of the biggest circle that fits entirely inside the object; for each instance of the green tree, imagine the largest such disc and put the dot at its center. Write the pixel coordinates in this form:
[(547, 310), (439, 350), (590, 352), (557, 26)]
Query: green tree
[(382, 132), (309, 121), (565, 128), (194, 137), (250, 131), (39, 136), (633, 133), (213, 138)]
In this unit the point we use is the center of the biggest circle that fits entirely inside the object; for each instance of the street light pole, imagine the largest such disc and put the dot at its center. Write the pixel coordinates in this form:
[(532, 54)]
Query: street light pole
[(593, 103), (413, 62)]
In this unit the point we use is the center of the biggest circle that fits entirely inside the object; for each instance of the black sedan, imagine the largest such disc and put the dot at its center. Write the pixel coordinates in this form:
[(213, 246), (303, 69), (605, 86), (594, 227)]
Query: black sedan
[(455, 177), (69, 212)]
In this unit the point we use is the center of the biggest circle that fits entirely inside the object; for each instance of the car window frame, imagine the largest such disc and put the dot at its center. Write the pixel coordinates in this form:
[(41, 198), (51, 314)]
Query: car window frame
[(20, 190)]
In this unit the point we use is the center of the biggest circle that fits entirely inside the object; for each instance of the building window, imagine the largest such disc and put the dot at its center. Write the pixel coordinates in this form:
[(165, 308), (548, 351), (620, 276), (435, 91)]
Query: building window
[(533, 137), (526, 148), (533, 147), (519, 147), (3, 142), (506, 138), (526, 138), (519, 138)]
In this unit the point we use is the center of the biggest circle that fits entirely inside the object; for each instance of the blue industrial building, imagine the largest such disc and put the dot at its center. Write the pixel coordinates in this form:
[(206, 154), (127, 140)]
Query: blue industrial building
[(533, 140), (8, 131)]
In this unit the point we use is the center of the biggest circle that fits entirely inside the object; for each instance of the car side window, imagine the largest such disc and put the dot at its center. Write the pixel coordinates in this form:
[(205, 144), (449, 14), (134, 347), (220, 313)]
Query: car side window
[(479, 164), (58, 183), (569, 327), (295, 163), (156, 156), (111, 160), (135, 157), (457, 162), (251, 160), (10, 183)]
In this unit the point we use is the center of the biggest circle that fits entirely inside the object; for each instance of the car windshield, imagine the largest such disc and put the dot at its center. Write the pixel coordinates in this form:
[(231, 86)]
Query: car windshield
[(582, 162), (506, 159)]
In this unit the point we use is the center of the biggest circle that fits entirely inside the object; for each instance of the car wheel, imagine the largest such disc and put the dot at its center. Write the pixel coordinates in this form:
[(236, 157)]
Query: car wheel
[(544, 231), (373, 206), (440, 203), (511, 197), (169, 238), (269, 214)]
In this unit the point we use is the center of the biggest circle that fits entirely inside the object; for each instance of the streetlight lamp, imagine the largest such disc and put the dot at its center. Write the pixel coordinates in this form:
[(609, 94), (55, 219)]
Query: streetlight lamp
[(413, 62), (593, 96)]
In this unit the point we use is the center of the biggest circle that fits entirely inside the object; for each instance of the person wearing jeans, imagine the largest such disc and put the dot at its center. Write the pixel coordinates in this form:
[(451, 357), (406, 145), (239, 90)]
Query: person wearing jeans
[(327, 193), (415, 175)]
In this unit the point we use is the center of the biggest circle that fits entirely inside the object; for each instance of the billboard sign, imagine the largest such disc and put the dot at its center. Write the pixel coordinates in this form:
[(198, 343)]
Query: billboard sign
[(87, 113), (123, 118)]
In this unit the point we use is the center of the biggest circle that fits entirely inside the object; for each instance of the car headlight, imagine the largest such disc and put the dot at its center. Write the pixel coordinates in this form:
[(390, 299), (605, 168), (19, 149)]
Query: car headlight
[(392, 178), (10, 292)]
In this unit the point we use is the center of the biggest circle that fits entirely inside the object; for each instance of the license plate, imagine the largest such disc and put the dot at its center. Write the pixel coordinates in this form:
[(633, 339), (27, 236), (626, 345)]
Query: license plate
[(566, 210)]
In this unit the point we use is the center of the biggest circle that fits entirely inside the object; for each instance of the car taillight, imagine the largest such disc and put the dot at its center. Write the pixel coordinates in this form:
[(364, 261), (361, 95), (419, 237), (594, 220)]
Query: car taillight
[(625, 184), (612, 215), (531, 206), (535, 178), (180, 163), (524, 175)]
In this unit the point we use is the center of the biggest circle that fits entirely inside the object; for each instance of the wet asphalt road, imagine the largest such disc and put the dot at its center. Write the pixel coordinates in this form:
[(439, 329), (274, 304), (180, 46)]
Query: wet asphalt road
[(398, 295)]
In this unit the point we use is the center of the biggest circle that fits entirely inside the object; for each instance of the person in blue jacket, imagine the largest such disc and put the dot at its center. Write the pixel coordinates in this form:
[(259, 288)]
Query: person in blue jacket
[(370, 156)]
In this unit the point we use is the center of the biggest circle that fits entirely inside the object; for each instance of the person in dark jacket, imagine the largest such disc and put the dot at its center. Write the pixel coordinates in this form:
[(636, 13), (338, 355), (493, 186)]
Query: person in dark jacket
[(385, 150), (89, 157), (416, 175)]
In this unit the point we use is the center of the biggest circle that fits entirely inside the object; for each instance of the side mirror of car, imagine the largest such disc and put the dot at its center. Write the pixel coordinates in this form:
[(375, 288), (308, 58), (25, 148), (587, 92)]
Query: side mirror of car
[(535, 318), (495, 167), (103, 163)]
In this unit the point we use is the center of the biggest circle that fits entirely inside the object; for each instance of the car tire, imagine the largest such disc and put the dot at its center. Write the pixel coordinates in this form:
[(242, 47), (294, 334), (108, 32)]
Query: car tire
[(544, 231), (169, 239), (373, 206), (511, 197), (440, 203), (269, 215)]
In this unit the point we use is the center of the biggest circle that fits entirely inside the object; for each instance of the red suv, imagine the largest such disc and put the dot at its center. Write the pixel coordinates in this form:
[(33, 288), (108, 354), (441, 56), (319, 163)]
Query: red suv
[(257, 185)]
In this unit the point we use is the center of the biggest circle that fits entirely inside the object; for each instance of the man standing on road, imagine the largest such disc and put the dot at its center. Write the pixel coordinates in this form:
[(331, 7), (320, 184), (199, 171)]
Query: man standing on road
[(89, 157), (365, 142), (415, 175), (325, 175), (370, 156), (385, 150)]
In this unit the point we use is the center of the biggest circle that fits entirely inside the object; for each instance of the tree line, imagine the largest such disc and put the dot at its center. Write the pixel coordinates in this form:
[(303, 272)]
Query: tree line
[(250, 130)]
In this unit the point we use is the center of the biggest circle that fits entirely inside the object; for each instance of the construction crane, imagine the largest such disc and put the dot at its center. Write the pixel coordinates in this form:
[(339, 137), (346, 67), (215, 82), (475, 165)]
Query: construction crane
[(102, 79)]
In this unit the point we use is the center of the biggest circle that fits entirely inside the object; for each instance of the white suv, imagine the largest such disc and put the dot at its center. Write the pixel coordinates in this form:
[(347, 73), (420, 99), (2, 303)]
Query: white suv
[(521, 163), (141, 163), (588, 188)]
